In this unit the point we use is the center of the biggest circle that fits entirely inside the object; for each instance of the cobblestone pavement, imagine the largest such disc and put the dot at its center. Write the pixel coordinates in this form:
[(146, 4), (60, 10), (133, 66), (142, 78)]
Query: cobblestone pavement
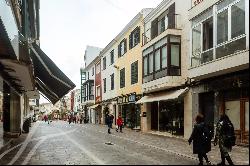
[(59, 143)]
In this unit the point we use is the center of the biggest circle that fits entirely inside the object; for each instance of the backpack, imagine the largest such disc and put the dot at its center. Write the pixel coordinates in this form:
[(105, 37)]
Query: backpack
[(207, 134), (229, 134)]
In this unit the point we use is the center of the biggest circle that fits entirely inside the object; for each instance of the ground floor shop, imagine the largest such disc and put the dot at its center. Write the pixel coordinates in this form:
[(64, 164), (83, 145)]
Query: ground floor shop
[(129, 110), (109, 107), (227, 94), (164, 112)]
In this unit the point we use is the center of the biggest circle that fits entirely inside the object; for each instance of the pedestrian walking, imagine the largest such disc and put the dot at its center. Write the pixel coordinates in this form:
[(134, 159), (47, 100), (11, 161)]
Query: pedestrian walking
[(225, 136), (109, 122), (201, 138), (119, 123)]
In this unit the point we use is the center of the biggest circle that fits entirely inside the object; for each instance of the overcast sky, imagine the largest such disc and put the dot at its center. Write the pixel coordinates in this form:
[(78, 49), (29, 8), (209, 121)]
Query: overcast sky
[(68, 26)]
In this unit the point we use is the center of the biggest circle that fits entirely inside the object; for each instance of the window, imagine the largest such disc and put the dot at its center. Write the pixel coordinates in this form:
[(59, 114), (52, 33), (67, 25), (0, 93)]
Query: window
[(164, 57), (208, 34), (93, 71), (134, 73), (145, 65), (91, 89), (104, 85), (112, 81), (222, 26), (98, 68), (104, 63), (112, 57), (151, 63), (158, 60), (122, 48), (122, 78), (238, 19), (98, 91), (134, 38), (175, 55), (196, 40)]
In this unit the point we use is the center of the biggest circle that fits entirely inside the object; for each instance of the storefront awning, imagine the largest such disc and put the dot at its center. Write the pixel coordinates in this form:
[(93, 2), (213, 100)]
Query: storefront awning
[(94, 106), (18, 74), (51, 81), (162, 96)]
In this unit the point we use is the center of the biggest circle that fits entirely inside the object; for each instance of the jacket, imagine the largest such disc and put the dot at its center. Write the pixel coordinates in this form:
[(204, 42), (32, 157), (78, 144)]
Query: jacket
[(119, 121), (199, 145)]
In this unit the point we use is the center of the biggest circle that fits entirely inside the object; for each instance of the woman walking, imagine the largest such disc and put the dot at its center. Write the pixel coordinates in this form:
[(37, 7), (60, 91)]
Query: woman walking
[(226, 138), (201, 140)]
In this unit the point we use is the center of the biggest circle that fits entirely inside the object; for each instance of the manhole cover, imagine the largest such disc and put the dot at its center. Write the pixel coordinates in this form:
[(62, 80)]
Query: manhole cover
[(109, 143)]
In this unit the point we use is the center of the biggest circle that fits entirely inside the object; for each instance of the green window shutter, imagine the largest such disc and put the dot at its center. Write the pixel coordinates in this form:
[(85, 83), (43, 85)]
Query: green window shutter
[(125, 45), (131, 40)]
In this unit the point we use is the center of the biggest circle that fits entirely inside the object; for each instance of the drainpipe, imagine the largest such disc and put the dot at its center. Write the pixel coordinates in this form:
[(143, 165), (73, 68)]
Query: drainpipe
[(158, 115)]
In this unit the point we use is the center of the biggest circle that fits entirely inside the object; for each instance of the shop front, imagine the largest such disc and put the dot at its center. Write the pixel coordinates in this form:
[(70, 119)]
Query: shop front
[(164, 111), (129, 110), (227, 94)]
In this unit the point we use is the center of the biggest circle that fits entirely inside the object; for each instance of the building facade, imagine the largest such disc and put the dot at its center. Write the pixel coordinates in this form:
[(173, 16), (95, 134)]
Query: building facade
[(120, 58), (88, 86), (219, 62), (164, 68)]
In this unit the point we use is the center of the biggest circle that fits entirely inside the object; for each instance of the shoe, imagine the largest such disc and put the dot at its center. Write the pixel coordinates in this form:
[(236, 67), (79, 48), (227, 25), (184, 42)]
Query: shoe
[(208, 163)]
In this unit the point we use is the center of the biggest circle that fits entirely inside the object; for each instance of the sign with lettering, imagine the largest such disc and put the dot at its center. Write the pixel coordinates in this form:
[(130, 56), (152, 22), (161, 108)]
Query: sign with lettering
[(196, 2), (132, 98)]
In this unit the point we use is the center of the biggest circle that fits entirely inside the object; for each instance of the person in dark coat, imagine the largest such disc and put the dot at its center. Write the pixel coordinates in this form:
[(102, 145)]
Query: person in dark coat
[(200, 146), (220, 136), (109, 122)]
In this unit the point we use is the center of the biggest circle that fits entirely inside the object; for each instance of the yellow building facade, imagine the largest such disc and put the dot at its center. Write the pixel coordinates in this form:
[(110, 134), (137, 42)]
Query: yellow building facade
[(129, 71)]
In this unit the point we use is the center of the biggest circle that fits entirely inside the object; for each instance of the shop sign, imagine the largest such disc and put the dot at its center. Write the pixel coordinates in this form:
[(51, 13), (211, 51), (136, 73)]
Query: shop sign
[(132, 98), (196, 2), (120, 100)]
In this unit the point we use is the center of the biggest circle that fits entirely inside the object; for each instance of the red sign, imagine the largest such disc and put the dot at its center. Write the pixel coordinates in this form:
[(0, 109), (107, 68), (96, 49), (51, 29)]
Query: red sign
[(197, 2)]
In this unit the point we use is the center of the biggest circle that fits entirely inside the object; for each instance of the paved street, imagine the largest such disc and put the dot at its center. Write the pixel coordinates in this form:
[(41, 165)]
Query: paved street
[(61, 143)]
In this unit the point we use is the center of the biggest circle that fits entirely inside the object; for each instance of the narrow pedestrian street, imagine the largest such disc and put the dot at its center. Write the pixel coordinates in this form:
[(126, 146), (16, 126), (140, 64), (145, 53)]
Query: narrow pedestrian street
[(59, 143)]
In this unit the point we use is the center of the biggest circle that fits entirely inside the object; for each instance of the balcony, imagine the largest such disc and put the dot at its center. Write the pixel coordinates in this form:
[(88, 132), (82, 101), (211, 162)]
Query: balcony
[(227, 57), (161, 30), (8, 24)]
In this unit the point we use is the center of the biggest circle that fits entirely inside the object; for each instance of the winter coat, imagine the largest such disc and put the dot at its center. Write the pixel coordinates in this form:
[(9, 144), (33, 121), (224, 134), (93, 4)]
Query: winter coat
[(199, 145), (220, 137), (119, 121), (108, 120)]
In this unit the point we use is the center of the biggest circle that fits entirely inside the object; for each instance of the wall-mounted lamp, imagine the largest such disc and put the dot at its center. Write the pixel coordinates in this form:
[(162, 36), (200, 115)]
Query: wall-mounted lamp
[(117, 67)]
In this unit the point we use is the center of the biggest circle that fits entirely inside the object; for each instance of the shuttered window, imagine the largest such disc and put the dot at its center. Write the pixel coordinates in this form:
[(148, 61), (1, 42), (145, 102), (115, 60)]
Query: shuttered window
[(134, 38), (122, 48), (104, 85), (104, 63), (134, 73), (122, 78), (112, 57), (112, 81)]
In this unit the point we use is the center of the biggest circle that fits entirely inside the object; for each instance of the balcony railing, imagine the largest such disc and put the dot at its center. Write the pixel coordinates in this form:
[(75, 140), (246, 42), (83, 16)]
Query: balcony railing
[(10, 25)]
